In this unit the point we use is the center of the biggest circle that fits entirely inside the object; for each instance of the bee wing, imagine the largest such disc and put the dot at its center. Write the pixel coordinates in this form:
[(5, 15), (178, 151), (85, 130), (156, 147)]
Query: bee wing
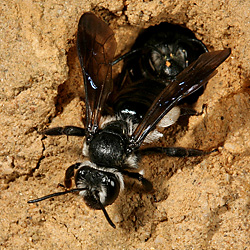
[(187, 82), (96, 47)]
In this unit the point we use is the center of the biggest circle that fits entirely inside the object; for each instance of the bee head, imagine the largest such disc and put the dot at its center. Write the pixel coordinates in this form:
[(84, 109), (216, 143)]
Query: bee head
[(99, 187)]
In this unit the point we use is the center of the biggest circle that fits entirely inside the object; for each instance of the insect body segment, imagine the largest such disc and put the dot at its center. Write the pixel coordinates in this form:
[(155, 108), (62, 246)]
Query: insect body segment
[(113, 143)]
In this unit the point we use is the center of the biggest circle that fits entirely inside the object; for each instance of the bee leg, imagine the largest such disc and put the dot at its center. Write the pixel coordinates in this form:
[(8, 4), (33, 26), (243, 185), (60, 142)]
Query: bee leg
[(67, 130), (128, 54), (185, 111), (146, 183), (175, 151), (198, 42), (69, 174)]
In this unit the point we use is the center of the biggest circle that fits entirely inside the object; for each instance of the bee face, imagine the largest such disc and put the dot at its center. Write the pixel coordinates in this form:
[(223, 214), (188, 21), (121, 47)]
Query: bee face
[(100, 186), (168, 60)]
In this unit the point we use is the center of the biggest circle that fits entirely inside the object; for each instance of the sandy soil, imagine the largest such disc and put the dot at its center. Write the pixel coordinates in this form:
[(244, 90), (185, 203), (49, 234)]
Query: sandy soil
[(199, 203)]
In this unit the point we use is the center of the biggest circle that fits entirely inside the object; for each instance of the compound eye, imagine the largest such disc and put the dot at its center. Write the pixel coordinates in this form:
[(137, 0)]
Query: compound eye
[(112, 188), (181, 57), (156, 61)]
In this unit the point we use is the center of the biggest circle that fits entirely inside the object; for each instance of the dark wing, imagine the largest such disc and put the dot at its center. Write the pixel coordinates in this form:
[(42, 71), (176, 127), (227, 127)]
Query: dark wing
[(187, 82), (96, 47)]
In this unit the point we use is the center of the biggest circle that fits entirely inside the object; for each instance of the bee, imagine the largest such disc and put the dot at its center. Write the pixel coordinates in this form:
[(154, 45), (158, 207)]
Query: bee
[(159, 54), (117, 122)]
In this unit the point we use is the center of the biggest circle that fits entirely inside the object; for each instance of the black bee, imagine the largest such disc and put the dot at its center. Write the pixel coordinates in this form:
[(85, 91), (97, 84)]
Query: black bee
[(113, 142), (159, 54)]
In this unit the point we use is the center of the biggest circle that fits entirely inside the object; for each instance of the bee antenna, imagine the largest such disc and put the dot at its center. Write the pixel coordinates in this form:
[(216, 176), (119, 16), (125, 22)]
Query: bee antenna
[(56, 194), (104, 210)]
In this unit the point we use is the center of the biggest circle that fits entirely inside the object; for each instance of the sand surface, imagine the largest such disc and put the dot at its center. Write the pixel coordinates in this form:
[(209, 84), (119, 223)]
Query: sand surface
[(199, 203)]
